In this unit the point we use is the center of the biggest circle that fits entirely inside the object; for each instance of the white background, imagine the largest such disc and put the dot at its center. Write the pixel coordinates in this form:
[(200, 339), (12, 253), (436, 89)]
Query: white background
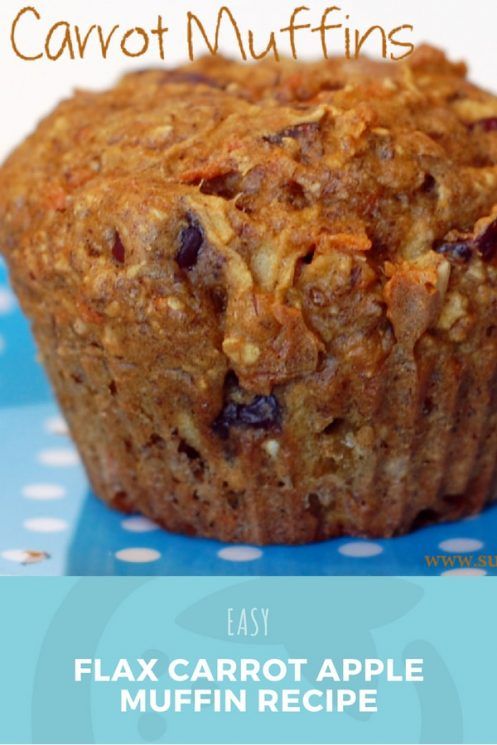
[(28, 90)]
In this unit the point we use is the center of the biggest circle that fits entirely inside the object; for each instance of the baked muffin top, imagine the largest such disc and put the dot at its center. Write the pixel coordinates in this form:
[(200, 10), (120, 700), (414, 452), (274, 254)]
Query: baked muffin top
[(277, 191)]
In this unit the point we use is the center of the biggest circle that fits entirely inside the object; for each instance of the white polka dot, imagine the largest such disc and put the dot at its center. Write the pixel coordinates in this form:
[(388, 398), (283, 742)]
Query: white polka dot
[(45, 525), (23, 556), (138, 555), (464, 572), (58, 457), (460, 545), (7, 301), (56, 425), (15, 554), (2, 345), (240, 553), (139, 524), (360, 549), (43, 491)]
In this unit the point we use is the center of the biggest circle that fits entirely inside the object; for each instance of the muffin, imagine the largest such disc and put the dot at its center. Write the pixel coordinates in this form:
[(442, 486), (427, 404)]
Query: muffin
[(266, 295)]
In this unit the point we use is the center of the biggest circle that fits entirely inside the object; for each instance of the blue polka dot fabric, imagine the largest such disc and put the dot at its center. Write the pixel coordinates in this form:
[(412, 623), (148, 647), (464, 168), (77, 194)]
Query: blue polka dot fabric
[(51, 523)]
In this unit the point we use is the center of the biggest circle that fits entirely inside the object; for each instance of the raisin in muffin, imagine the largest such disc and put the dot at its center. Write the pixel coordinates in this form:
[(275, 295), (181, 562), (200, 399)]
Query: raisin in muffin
[(266, 295)]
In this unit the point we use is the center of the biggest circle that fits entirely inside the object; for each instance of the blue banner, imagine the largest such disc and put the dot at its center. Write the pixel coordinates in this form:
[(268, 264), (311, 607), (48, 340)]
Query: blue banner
[(268, 660)]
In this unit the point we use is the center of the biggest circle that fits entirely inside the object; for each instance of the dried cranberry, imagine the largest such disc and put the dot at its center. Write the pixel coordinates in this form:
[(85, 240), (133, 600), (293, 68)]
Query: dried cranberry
[(459, 251), (263, 412), (228, 416), (118, 250), (191, 240), (275, 139), (486, 243), (298, 130), (487, 125)]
